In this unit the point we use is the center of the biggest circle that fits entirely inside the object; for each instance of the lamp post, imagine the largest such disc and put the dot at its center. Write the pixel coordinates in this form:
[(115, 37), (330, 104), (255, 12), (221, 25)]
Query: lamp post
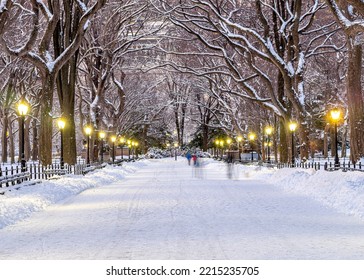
[(102, 137), (61, 125), (129, 147), (268, 131), (133, 149), (175, 150), (136, 149), (239, 139), (251, 137), (229, 154), (88, 131), (335, 116), (22, 110), (122, 142), (292, 127), (113, 139), (222, 148), (217, 142)]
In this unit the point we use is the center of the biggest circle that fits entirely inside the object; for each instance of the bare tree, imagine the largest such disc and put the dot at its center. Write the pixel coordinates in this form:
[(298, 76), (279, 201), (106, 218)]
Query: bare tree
[(350, 16), (37, 49)]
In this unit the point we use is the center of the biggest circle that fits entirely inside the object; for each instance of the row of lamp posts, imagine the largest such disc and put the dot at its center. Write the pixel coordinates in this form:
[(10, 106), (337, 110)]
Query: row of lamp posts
[(23, 109), (102, 135), (335, 115)]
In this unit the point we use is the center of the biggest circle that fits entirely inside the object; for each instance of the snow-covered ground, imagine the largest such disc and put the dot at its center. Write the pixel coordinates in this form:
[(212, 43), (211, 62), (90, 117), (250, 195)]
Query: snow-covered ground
[(165, 209)]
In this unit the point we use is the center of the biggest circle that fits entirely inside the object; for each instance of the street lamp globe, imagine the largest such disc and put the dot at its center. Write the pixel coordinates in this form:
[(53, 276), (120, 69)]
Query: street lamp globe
[(113, 139), (268, 130), (102, 135), (61, 124), (335, 114), (23, 108), (292, 126), (88, 130), (251, 136)]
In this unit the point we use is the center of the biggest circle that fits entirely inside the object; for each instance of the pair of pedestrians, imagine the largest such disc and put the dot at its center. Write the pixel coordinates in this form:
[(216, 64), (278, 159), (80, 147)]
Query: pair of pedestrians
[(193, 157)]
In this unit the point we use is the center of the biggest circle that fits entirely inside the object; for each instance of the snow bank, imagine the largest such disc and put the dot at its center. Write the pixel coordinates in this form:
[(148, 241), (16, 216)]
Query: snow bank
[(343, 191), (19, 204)]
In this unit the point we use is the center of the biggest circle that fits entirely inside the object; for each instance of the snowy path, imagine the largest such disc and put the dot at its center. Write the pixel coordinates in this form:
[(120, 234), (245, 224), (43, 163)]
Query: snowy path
[(166, 211)]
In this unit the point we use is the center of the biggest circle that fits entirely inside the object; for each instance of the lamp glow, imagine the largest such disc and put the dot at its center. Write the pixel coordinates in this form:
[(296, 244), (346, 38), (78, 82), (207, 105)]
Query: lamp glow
[(269, 130), (88, 130), (61, 124), (292, 126), (23, 109), (335, 114)]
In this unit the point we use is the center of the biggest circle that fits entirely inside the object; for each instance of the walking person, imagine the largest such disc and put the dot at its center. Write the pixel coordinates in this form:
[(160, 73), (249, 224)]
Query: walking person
[(188, 156), (194, 159)]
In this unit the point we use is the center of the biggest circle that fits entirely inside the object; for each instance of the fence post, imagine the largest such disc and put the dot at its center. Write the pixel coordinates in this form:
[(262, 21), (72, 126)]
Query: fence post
[(6, 174), (325, 166)]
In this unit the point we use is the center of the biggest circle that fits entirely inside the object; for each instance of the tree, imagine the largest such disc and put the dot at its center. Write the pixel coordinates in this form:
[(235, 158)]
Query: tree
[(37, 49), (350, 15)]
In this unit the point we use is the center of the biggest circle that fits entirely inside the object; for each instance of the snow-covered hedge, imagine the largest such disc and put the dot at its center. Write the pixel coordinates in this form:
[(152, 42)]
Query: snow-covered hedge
[(157, 153)]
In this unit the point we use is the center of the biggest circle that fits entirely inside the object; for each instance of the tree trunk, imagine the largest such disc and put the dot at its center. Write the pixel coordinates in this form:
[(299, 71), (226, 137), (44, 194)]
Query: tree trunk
[(69, 133), (205, 137), (35, 150), (355, 101), (46, 122), (303, 133), (326, 141), (4, 142), (12, 144), (66, 82), (343, 142), (283, 141)]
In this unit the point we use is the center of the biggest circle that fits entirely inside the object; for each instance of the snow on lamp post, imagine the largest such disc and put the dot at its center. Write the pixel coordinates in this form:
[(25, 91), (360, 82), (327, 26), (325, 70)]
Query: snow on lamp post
[(23, 109), (268, 131), (251, 137), (102, 137), (61, 125), (113, 139), (335, 117), (292, 127), (88, 131)]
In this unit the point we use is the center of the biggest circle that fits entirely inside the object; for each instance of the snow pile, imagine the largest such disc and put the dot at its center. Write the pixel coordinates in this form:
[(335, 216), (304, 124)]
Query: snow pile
[(157, 153), (343, 191), (19, 204)]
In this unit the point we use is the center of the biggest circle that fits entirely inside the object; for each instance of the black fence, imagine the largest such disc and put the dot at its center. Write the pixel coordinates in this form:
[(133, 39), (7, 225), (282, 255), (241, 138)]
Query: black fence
[(12, 175), (328, 166)]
